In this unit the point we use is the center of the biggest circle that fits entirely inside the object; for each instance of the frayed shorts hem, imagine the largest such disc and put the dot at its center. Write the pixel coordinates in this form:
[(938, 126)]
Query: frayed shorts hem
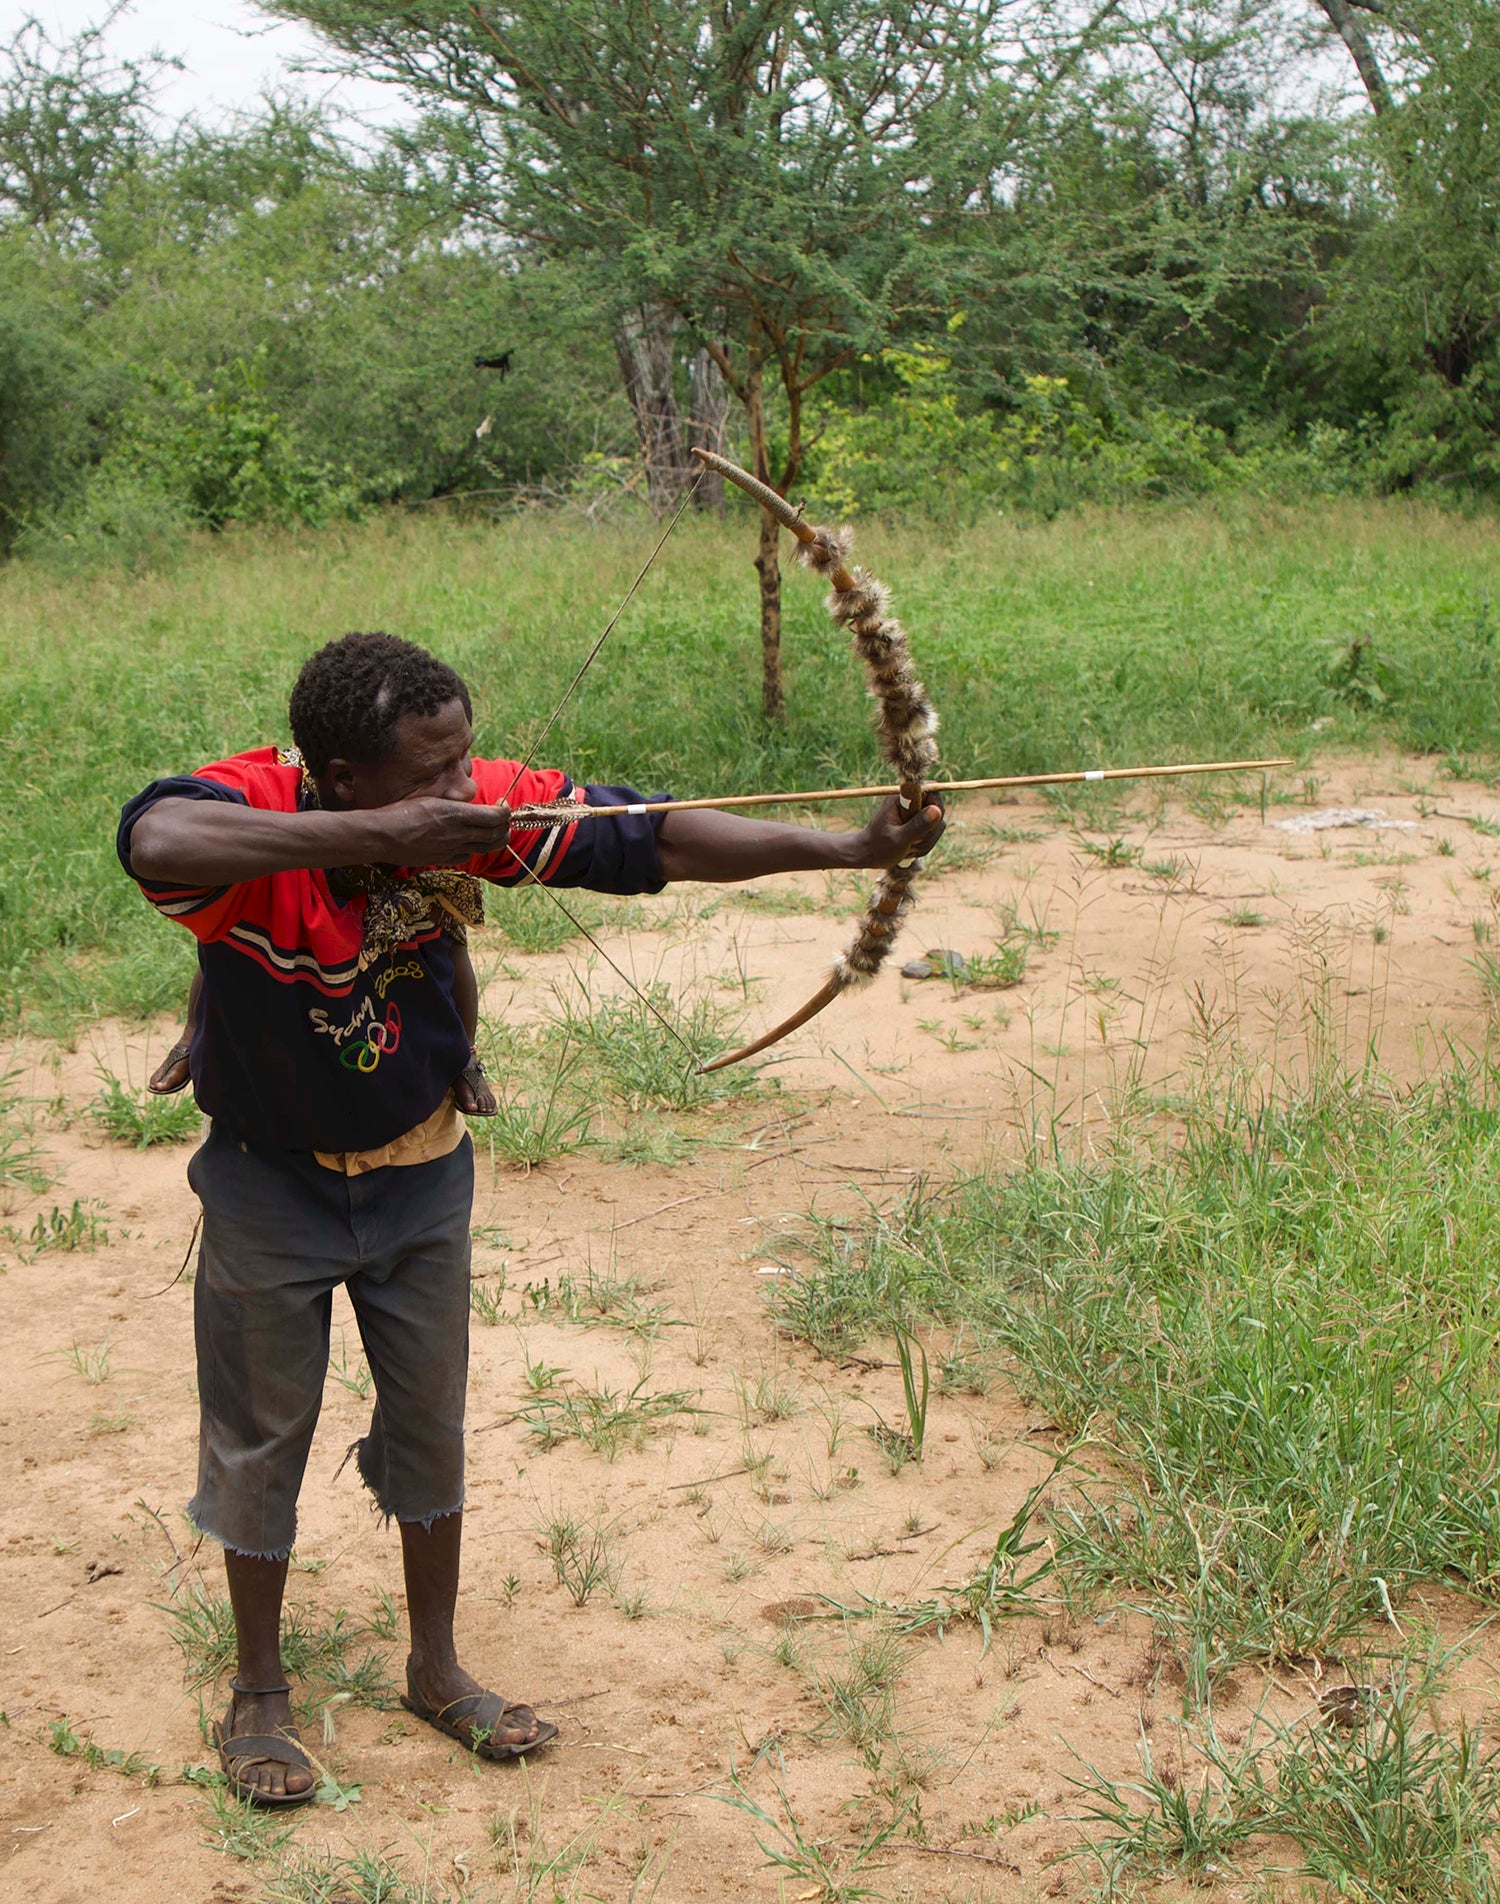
[(366, 1461), (425, 1521), (202, 1527)]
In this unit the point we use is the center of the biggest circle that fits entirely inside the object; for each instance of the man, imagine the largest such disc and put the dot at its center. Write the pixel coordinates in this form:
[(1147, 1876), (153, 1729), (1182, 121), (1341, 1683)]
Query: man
[(328, 888)]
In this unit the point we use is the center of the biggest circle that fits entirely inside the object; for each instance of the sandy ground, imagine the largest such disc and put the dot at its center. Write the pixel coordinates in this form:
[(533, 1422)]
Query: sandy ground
[(773, 1492)]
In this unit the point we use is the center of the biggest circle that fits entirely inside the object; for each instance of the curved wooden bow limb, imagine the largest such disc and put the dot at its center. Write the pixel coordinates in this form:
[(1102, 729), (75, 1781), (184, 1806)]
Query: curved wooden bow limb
[(907, 729)]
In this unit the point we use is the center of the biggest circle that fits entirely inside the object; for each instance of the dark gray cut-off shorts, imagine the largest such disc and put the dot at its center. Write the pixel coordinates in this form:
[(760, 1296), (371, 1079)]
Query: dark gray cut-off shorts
[(279, 1233)]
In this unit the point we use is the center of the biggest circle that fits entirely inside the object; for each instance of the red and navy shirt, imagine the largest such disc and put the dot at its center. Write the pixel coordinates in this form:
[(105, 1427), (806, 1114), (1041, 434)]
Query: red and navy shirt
[(296, 1048)]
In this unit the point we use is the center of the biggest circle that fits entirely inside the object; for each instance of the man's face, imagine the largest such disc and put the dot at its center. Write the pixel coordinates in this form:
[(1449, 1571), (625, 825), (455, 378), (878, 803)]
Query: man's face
[(430, 759)]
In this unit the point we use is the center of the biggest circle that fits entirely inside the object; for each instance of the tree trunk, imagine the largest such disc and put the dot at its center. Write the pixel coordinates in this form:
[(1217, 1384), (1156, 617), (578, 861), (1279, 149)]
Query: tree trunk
[(767, 565), (644, 343), (708, 422), (1361, 52)]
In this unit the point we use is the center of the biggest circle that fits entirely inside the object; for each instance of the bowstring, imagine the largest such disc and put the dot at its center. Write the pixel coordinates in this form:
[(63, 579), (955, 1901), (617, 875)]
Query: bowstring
[(592, 655), (535, 748), (578, 925)]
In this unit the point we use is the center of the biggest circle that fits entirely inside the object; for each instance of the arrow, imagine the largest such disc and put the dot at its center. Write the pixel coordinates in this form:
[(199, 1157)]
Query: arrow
[(565, 812)]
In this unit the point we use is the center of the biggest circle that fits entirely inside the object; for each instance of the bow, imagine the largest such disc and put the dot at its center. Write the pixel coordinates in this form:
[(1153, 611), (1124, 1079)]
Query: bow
[(906, 728)]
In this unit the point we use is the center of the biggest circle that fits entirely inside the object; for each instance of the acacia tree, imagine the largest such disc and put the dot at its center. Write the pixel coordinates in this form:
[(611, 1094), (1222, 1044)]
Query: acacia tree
[(73, 121), (777, 182), (1422, 296)]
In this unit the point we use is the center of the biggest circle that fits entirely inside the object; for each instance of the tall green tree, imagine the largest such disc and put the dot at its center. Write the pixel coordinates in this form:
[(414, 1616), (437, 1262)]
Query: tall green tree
[(1420, 298), (780, 183), (73, 120)]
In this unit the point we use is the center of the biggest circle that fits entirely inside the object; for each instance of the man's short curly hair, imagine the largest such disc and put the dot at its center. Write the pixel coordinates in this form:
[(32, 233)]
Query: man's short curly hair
[(350, 696)]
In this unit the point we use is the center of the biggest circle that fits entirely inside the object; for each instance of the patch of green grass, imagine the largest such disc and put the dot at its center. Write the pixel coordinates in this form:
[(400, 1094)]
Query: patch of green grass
[(1389, 1804), (1032, 931), (582, 1555), (644, 1066), (857, 1692), (356, 1379), (236, 1827), (1280, 1320), (528, 920), (361, 1877), (318, 1652), (541, 1118), (139, 1118), (600, 1298), (1112, 853), (91, 1363), (603, 1418), (649, 1141), (996, 971), (774, 1398), (1176, 873), (1205, 630), (858, 1279), (202, 1625), (66, 1742), (80, 1227), (487, 1302), (19, 1153), (1486, 967), (830, 1870), (1007, 1583)]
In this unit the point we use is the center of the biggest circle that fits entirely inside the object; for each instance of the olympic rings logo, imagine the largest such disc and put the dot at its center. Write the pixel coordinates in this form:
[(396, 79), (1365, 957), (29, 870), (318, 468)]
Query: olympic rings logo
[(380, 1040)]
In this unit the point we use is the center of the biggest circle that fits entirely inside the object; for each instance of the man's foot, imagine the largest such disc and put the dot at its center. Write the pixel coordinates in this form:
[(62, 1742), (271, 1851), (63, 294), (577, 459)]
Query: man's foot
[(172, 1074), (272, 1770), (472, 1093), (456, 1703)]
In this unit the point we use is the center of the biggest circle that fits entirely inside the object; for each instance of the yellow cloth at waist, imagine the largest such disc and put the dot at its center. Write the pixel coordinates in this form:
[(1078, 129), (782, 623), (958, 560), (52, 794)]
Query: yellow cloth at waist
[(435, 1137)]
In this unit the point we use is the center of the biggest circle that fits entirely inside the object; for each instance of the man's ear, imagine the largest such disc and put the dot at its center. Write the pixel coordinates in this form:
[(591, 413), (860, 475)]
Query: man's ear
[(341, 777)]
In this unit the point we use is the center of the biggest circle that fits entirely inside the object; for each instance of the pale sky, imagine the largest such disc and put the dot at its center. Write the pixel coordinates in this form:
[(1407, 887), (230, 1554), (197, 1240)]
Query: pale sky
[(230, 52)]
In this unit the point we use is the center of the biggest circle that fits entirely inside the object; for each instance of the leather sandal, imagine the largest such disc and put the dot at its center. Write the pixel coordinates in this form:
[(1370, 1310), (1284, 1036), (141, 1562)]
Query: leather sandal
[(238, 1753), (475, 1719)]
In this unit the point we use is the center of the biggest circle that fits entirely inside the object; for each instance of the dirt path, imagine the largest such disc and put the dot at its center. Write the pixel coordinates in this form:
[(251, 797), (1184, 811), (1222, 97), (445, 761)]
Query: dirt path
[(764, 1490)]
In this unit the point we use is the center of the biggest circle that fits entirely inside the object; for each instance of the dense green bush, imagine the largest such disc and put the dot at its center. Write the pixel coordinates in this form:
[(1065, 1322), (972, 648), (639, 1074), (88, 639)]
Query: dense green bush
[(922, 450)]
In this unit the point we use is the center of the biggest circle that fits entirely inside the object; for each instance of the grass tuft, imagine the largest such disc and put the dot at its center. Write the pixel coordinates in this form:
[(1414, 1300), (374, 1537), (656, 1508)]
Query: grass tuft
[(141, 1119), (605, 1419)]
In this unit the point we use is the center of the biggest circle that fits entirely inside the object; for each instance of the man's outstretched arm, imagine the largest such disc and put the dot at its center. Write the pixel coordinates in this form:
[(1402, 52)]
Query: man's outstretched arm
[(213, 843), (221, 843), (710, 845)]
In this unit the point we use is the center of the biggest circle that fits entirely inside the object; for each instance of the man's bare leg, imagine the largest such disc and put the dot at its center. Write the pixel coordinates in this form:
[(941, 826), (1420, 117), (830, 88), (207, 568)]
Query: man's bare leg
[(431, 1558), (256, 1588)]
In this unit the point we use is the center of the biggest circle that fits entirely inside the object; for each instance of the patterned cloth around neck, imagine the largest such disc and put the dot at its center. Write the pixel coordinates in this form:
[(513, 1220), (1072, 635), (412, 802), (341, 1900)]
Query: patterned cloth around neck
[(398, 908)]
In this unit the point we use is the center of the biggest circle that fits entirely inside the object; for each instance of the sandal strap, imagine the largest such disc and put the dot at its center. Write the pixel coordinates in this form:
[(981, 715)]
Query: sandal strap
[(486, 1712), (258, 1692), (470, 1709), (258, 1748)]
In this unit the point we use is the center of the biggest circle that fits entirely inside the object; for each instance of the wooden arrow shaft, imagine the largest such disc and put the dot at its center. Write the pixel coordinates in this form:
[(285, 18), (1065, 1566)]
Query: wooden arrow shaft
[(1077, 778)]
